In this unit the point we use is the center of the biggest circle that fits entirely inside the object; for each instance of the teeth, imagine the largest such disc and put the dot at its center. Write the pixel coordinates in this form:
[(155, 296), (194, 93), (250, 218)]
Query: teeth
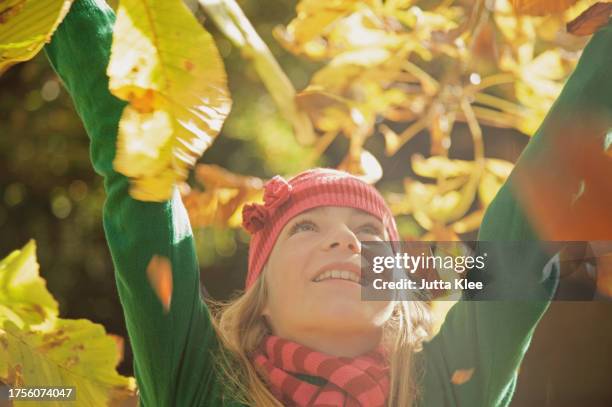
[(339, 274)]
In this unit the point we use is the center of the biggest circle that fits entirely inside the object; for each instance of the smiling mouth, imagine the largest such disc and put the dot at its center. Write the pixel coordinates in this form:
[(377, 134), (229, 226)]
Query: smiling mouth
[(338, 275)]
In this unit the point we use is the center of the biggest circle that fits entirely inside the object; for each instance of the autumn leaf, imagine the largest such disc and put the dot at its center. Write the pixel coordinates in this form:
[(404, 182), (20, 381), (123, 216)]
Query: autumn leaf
[(24, 298), (461, 376), (120, 343), (37, 347), (604, 274), (469, 223), (159, 273), (168, 68), (25, 26), (590, 20), (564, 192), (449, 199), (73, 353), (231, 21), (365, 166), (10, 8), (541, 7), (314, 21), (438, 166), (214, 176), (224, 196)]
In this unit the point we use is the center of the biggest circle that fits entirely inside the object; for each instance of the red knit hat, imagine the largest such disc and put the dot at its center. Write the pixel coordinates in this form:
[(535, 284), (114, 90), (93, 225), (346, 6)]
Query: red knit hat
[(284, 200)]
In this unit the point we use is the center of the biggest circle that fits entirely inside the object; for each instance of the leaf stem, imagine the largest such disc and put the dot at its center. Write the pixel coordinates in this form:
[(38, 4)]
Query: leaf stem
[(232, 22)]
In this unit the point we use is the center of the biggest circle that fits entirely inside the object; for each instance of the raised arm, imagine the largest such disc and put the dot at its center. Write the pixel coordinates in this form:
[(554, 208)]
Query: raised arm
[(492, 337), (172, 351)]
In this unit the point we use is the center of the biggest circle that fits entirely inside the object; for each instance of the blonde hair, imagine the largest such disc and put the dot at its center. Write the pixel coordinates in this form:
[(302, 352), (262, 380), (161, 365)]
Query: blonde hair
[(240, 327)]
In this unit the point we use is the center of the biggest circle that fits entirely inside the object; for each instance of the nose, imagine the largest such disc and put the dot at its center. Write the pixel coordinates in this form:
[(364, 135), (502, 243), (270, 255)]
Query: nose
[(343, 238)]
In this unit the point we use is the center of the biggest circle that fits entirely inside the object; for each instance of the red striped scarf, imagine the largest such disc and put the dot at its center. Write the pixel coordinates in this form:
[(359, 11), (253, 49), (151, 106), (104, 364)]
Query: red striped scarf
[(351, 382)]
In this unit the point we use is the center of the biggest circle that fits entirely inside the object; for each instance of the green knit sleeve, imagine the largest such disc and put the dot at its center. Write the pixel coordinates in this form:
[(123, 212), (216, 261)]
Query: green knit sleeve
[(492, 337), (172, 351)]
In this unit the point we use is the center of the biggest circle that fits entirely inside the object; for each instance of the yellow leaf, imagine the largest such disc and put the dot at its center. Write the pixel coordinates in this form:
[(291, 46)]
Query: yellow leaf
[(500, 168), (541, 7), (363, 29), (24, 298), (25, 26), (38, 348), (214, 176), (10, 8), (469, 223), (220, 205), (365, 166), (73, 353), (488, 188), (168, 68), (440, 166), (314, 20)]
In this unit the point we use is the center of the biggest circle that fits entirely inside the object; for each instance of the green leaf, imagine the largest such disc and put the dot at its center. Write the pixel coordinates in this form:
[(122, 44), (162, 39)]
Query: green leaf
[(24, 298), (38, 348), (74, 353), (25, 26)]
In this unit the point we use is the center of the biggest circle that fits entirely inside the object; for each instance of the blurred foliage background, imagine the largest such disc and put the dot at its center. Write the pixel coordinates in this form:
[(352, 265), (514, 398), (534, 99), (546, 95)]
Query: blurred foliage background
[(49, 192)]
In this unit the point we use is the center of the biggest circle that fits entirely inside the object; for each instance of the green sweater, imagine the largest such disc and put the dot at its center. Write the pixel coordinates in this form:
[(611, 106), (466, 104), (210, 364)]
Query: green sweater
[(174, 351)]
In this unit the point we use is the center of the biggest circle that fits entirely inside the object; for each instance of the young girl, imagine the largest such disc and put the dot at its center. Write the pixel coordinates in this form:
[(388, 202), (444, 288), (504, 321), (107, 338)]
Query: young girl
[(297, 337)]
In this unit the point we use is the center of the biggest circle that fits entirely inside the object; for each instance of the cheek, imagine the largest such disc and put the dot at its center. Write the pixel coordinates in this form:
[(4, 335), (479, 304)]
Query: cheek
[(285, 284)]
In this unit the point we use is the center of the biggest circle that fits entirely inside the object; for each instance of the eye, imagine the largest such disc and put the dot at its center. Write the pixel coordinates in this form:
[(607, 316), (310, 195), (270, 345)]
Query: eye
[(305, 224), (372, 230)]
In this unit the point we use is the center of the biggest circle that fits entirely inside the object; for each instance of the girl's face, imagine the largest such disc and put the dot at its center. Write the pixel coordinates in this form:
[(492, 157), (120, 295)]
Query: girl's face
[(312, 243)]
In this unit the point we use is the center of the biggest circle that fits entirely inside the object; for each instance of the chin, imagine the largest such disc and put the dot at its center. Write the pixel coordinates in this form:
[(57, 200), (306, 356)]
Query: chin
[(346, 313)]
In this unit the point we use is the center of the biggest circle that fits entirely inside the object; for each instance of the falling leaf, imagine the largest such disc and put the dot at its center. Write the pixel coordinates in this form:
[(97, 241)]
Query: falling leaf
[(590, 20), (25, 26), (541, 7), (604, 274), (461, 376), (10, 8), (176, 87), (563, 191), (159, 272)]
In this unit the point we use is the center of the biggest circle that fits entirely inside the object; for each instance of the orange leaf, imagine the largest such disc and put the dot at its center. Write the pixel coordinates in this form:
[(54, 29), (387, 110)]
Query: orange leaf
[(604, 275), (566, 192), (541, 7), (159, 272), (120, 346), (590, 20), (10, 9), (462, 375), (214, 176)]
